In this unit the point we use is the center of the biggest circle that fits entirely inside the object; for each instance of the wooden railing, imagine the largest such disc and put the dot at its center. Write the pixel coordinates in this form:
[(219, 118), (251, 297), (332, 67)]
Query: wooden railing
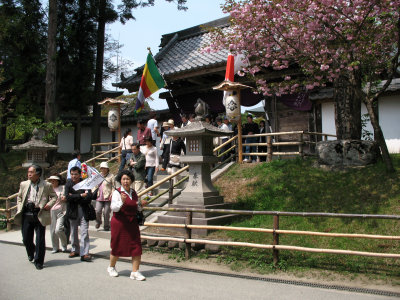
[(275, 231), (109, 145), (300, 143)]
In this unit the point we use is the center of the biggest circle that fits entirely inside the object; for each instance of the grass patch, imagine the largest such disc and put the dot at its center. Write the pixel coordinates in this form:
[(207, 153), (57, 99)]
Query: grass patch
[(294, 185)]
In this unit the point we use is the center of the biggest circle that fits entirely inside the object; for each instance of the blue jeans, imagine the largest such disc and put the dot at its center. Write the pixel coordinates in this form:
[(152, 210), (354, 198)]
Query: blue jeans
[(149, 175), (125, 156), (250, 149)]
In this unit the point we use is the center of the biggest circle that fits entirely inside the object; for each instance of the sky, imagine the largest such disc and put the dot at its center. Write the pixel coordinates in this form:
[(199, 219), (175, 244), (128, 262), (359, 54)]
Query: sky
[(151, 23)]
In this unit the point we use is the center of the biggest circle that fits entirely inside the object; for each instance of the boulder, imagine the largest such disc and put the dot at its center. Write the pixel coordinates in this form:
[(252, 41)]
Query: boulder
[(347, 153)]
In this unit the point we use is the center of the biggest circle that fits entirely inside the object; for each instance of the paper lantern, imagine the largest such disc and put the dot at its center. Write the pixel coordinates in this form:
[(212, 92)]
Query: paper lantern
[(113, 119), (232, 106)]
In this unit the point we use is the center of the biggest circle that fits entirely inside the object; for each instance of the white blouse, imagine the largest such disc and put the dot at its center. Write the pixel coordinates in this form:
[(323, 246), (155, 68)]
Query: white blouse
[(116, 201), (151, 156)]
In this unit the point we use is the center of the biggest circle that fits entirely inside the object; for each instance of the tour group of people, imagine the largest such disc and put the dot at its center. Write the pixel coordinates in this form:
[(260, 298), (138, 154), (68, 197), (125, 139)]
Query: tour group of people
[(55, 202)]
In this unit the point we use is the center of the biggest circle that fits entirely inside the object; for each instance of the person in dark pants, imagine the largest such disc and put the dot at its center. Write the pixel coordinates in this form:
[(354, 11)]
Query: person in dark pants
[(34, 201), (250, 128)]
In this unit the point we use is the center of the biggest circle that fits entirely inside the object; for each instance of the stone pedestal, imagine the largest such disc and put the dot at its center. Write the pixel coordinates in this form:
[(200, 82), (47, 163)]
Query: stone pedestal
[(199, 192)]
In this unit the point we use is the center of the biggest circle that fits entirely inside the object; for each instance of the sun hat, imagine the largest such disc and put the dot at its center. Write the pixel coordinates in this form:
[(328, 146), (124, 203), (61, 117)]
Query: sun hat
[(53, 177), (104, 165), (165, 124), (171, 122)]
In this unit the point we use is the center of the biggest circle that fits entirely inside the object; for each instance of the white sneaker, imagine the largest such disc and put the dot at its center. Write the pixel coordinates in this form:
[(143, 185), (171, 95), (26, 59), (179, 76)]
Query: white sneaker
[(54, 251), (245, 160), (137, 275), (112, 271)]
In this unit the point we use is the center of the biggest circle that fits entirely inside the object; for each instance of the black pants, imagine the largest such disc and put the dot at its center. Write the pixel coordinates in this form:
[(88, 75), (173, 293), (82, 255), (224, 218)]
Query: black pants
[(165, 156), (31, 225)]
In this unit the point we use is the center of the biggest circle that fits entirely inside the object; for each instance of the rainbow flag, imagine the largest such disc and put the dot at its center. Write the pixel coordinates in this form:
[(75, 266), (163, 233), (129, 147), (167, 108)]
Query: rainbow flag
[(151, 82)]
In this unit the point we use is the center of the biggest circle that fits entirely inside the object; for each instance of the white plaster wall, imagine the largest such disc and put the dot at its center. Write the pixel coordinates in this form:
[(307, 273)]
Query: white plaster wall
[(328, 119), (389, 119), (66, 139)]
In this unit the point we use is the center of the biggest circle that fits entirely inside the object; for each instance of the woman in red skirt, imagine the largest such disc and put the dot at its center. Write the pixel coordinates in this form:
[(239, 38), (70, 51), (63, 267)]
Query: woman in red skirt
[(125, 233)]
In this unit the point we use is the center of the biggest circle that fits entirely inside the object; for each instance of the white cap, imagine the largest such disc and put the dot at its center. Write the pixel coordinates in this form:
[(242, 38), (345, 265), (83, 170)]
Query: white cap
[(54, 177), (104, 165)]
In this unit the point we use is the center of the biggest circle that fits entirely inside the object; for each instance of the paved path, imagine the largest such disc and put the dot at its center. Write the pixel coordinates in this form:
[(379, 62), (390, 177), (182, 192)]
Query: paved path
[(65, 278)]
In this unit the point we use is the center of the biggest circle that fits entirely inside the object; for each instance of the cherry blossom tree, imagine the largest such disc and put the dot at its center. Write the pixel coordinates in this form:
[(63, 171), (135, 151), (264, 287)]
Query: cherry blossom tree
[(351, 45)]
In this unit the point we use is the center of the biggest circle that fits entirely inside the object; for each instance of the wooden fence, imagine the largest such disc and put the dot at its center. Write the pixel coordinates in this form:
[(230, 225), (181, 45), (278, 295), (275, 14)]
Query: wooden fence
[(300, 143), (275, 231)]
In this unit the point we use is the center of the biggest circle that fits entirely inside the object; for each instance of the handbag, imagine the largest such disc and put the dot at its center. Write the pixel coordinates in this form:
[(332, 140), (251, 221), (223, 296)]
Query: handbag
[(174, 159), (91, 212), (139, 215)]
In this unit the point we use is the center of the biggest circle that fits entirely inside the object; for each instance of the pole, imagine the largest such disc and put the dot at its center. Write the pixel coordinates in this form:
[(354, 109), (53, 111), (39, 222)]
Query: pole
[(188, 235), (239, 126), (275, 252), (119, 131)]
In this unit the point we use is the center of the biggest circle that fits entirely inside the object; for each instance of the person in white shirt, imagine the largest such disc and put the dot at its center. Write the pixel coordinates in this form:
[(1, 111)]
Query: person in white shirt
[(152, 161), (185, 121), (153, 125), (126, 148), (164, 146), (75, 162)]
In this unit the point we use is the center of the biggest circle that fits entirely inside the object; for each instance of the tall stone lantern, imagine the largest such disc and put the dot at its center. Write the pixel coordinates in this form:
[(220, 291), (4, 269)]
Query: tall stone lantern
[(36, 151), (199, 192)]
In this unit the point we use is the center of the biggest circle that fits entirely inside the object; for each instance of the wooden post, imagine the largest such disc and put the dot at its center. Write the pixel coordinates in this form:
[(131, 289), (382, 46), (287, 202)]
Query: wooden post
[(171, 191), (188, 235), (119, 131), (239, 125), (269, 148), (325, 137), (275, 252), (301, 148), (8, 214)]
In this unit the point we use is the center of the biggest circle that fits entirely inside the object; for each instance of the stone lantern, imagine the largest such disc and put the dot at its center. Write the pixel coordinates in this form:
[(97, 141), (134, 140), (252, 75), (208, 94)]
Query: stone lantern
[(36, 151), (199, 191)]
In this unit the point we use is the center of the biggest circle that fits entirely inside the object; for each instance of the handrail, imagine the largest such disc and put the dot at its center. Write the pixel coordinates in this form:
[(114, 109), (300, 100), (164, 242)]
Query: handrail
[(162, 181), (105, 144), (225, 143)]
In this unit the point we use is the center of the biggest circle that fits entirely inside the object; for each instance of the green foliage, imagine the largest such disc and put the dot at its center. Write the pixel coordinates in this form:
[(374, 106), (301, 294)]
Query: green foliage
[(294, 185), (23, 126)]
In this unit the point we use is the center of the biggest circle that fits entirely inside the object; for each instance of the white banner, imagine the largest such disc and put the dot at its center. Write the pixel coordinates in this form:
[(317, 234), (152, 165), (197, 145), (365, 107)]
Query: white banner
[(93, 180)]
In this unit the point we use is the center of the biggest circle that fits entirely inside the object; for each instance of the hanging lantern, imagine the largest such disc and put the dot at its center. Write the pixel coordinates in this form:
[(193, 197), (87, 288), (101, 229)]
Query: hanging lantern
[(232, 105), (113, 119)]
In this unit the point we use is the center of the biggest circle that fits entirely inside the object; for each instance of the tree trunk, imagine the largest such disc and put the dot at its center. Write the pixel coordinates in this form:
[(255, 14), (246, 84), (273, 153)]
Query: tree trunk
[(50, 106), (3, 133), (77, 133), (96, 123), (378, 135), (347, 110)]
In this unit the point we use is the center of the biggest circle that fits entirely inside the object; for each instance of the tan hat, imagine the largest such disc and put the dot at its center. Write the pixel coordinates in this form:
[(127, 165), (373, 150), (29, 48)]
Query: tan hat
[(165, 124), (104, 165), (171, 122), (53, 177)]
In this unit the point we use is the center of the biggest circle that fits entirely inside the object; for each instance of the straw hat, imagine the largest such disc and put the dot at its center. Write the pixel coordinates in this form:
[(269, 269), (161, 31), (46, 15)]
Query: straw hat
[(104, 165), (165, 124), (171, 122), (53, 177)]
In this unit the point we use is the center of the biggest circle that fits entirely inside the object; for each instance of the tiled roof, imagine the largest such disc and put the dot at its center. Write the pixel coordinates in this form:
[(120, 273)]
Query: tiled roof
[(181, 52)]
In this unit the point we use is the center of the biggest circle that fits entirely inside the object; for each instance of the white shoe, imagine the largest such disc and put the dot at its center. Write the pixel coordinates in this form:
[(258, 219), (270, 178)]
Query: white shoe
[(54, 251), (112, 272), (137, 275), (245, 160)]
